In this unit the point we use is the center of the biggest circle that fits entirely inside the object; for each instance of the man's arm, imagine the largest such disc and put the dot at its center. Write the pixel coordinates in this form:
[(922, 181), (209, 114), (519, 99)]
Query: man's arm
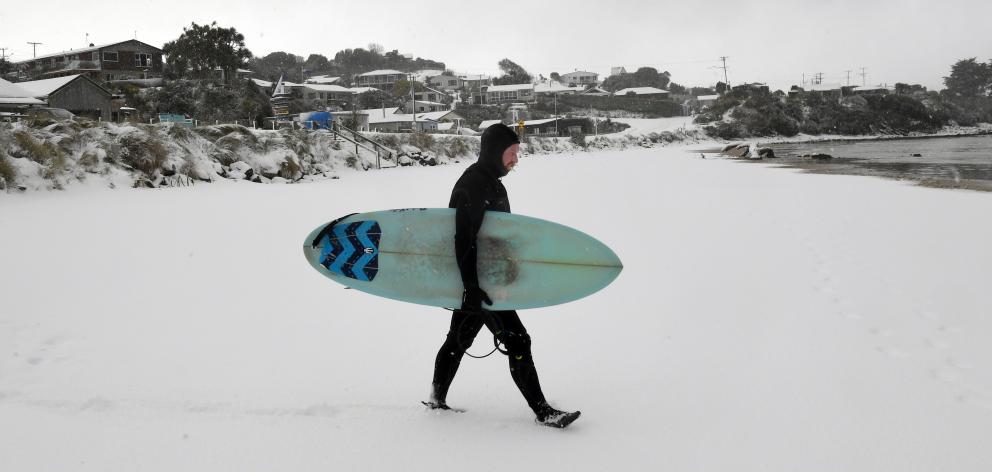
[(469, 213)]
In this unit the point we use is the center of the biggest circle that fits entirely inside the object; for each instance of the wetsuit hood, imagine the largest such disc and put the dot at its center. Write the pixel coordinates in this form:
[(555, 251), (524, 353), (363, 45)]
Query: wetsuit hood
[(495, 140)]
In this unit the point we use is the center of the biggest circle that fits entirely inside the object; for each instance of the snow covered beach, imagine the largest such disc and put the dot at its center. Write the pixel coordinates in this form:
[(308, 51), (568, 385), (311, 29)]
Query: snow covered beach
[(766, 320)]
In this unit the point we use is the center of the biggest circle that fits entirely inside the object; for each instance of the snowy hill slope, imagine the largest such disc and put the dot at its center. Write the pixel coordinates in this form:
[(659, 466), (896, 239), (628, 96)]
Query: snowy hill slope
[(765, 321)]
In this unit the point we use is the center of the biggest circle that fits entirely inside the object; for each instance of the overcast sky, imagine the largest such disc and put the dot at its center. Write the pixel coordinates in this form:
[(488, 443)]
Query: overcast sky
[(772, 41)]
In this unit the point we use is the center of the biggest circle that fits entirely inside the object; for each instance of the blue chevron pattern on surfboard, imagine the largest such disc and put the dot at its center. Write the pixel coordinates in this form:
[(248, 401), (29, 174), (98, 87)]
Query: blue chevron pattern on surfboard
[(352, 250)]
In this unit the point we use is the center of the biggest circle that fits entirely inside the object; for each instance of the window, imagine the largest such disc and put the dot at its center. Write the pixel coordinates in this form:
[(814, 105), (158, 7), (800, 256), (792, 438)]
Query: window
[(110, 56), (453, 83), (142, 60), (95, 56), (59, 60)]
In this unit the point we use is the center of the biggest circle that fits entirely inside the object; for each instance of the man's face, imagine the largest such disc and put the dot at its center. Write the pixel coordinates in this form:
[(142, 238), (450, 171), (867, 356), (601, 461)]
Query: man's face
[(510, 157)]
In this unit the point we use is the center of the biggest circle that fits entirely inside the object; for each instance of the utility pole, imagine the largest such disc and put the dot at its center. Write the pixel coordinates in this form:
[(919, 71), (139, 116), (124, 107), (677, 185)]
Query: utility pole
[(864, 82), (34, 49), (725, 80), (848, 78)]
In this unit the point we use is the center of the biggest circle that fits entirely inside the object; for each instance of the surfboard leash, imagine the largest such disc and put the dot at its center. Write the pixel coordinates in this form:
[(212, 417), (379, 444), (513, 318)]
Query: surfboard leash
[(490, 322)]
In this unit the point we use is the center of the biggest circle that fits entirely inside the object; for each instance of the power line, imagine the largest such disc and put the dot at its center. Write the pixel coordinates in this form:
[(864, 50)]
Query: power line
[(34, 48), (725, 79)]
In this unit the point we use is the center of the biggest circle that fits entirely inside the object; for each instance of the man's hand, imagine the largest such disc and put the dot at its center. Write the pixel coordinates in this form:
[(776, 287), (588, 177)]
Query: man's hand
[(473, 298)]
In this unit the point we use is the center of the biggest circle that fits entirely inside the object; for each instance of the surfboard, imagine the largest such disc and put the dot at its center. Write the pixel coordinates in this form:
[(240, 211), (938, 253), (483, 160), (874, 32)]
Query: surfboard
[(409, 255)]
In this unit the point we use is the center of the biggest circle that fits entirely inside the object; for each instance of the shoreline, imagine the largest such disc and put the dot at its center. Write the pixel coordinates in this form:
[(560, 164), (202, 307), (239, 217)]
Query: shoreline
[(969, 131)]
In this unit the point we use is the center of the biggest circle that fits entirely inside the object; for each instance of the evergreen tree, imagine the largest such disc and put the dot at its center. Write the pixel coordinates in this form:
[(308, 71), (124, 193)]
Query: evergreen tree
[(202, 48)]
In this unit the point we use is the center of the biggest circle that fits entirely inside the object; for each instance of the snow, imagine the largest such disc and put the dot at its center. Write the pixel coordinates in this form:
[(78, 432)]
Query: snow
[(45, 87), (766, 320)]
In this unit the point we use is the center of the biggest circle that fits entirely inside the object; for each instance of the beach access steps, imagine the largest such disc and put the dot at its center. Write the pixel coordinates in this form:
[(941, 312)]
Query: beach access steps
[(364, 142)]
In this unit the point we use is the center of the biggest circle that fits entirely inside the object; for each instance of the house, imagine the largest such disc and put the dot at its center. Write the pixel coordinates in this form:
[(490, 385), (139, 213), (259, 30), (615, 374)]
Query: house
[(596, 92), (360, 118), (360, 90), (445, 116), (432, 95), (14, 98), (420, 106), (476, 82), (125, 60), (706, 100), (829, 90), (317, 96), (558, 127), (642, 92), (423, 76), (580, 77), (752, 87), (487, 123), (392, 123), (445, 82), (381, 79), (76, 93), (510, 93), (552, 87), (323, 80), (872, 89), (617, 71)]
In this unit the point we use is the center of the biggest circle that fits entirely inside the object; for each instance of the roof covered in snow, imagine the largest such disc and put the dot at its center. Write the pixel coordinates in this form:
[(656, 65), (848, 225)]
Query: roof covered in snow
[(488, 123), (44, 88), (328, 88), (358, 90), (642, 91), (322, 79), (510, 88), (382, 72), (11, 91)]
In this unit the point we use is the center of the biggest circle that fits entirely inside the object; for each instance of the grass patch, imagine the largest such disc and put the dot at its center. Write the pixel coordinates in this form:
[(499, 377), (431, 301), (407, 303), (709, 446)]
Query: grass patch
[(42, 152), (145, 154), (423, 141), (8, 173)]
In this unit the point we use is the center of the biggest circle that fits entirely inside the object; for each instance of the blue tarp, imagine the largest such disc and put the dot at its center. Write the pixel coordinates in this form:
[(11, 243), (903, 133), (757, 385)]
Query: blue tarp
[(316, 120)]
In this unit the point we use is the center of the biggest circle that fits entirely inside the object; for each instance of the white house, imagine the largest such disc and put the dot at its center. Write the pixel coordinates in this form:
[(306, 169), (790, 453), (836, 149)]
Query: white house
[(445, 82), (319, 96), (510, 93), (381, 79), (422, 106), (580, 77), (552, 87)]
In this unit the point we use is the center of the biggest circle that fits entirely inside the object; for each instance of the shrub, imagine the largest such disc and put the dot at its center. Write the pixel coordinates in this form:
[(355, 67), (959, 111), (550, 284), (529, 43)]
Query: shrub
[(89, 161), (290, 169), (142, 153), (725, 130), (457, 147), (390, 140), (8, 173), (579, 140), (42, 152), (423, 141)]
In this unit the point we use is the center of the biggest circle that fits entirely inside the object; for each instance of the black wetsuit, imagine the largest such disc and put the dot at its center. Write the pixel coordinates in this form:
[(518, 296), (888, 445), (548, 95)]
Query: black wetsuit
[(477, 191)]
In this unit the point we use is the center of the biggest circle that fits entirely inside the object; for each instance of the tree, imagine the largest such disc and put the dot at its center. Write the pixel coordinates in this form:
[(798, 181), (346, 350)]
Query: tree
[(512, 74), (721, 87), (969, 79), (556, 77), (376, 48), (317, 63), (278, 63), (643, 77), (202, 48), (5, 66)]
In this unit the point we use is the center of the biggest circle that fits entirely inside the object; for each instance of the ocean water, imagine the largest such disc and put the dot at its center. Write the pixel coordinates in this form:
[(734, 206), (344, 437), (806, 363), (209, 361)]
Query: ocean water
[(947, 162)]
